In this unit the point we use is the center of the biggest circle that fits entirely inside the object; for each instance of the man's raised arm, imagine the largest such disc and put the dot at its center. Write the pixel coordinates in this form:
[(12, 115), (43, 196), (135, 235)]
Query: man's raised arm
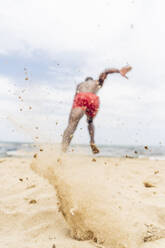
[(123, 71)]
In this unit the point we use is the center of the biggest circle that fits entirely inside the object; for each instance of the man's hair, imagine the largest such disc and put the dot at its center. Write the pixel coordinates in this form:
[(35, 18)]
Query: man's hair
[(88, 78)]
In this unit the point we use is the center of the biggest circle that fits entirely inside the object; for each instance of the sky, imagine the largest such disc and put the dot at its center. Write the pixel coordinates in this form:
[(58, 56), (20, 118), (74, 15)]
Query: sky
[(47, 47)]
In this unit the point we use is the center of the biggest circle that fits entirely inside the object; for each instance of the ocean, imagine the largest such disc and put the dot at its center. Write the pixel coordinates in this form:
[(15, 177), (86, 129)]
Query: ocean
[(16, 149)]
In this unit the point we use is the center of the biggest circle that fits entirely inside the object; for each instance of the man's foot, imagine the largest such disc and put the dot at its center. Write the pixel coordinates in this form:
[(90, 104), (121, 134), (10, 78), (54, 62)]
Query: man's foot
[(94, 148)]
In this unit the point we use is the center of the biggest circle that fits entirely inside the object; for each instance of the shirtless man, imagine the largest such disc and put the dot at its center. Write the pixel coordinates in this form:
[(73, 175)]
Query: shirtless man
[(87, 102)]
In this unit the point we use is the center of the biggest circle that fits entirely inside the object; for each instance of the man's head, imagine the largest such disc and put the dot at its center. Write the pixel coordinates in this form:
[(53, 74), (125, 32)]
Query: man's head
[(88, 78)]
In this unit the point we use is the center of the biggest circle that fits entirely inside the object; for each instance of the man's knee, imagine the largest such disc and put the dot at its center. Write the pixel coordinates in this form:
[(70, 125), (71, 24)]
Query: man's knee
[(90, 120), (74, 119)]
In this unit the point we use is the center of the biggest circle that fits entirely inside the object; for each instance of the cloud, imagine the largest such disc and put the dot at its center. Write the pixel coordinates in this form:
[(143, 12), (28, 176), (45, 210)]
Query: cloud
[(101, 33), (103, 27), (55, 24), (29, 106)]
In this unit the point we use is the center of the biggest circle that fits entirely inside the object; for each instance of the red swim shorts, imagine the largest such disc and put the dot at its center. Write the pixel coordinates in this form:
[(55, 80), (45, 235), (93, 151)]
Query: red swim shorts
[(88, 101)]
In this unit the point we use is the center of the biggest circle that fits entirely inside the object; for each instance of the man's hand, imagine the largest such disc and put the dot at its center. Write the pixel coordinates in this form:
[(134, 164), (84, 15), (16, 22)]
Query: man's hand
[(124, 70)]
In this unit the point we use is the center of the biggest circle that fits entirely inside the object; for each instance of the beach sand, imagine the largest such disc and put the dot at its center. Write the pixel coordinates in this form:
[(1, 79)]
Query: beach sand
[(76, 201)]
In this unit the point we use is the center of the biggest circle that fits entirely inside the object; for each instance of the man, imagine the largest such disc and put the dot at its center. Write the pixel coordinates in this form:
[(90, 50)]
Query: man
[(87, 102)]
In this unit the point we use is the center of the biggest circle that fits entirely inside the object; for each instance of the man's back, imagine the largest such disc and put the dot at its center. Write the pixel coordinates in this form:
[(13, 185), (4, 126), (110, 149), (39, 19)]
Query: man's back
[(88, 86)]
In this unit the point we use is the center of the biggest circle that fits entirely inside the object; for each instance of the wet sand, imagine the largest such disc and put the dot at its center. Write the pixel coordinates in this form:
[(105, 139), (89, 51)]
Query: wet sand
[(75, 201)]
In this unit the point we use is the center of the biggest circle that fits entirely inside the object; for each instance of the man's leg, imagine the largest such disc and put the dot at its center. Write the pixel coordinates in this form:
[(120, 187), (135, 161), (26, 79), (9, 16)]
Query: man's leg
[(75, 115), (91, 130)]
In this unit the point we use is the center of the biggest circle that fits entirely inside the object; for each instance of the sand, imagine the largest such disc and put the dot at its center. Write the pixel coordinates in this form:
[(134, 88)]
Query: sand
[(76, 201)]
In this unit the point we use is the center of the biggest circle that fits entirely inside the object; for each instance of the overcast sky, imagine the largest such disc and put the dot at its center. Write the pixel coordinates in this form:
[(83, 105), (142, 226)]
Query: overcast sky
[(56, 44)]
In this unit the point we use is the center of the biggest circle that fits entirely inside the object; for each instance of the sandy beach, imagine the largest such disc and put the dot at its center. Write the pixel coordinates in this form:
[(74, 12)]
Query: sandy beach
[(81, 201)]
